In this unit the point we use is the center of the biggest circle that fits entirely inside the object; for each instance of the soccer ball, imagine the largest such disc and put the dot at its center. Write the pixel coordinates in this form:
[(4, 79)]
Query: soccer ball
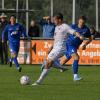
[(24, 80)]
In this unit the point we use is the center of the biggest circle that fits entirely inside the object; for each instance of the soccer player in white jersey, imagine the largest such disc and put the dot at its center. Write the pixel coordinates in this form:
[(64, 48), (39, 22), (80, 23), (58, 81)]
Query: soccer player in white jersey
[(59, 46)]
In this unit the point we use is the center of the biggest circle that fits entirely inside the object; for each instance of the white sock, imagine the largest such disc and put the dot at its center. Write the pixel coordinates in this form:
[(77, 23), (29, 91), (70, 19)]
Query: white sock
[(75, 75), (43, 75)]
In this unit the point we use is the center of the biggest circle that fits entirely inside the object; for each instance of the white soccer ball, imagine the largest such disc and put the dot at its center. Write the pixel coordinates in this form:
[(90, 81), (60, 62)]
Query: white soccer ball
[(24, 80)]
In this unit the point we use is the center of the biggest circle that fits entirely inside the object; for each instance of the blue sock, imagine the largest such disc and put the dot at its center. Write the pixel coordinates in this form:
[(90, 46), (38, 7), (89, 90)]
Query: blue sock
[(16, 62), (75, 66)]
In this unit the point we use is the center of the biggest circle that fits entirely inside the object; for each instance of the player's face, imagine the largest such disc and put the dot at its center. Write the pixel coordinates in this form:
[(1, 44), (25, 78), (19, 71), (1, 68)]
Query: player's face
[(81, 22), (56, 21), (12, 19)]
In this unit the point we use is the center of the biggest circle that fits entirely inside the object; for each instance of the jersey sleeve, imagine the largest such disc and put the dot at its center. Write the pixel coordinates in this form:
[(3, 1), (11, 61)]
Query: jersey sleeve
[(70, 30), (3, 32), (72, 26)]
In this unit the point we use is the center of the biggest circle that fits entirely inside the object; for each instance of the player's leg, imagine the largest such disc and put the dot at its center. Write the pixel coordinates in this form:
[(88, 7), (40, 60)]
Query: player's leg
[(14, 49), (75, 56), (53, 55), (45, 72), (57, 65), (65, 58), (43, 65), (14, 58), (72, 53)]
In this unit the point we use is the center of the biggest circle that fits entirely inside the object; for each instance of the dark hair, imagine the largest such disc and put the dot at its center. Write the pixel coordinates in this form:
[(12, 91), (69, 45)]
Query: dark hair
[(13, 16), (93, 28), (83, 18), (59, 16)]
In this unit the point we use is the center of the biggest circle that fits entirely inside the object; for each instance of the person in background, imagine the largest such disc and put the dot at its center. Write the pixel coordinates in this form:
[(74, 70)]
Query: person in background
[(3, 46), (33, 29), (93, 32), (48, 27)]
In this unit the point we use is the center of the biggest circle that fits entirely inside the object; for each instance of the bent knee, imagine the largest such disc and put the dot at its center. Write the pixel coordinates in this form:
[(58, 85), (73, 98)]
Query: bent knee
[(75, 56), (13, 55), (63, 60), (48, 63)]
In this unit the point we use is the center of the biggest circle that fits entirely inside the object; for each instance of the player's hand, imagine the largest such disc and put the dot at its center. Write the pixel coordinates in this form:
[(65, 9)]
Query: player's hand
[(81, 37), (83, 47)]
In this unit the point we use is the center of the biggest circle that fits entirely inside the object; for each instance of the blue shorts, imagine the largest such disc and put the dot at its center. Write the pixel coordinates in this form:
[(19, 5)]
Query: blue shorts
[(70, 50), (14, 48)]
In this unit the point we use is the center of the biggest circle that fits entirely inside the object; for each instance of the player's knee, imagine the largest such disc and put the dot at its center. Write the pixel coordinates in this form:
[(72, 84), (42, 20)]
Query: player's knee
[(48, 63), (62, 62), (13, 55), (75, 56)]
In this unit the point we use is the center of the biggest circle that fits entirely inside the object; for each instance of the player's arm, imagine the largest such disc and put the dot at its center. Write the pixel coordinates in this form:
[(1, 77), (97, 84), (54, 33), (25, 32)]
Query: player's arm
[(3, 33), (90, 38), (87, 42), (74, 32), (78, 35)]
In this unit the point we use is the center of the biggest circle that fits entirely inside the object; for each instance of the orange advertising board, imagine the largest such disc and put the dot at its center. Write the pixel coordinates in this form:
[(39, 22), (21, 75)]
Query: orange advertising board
[(91, 55), (39, 50)]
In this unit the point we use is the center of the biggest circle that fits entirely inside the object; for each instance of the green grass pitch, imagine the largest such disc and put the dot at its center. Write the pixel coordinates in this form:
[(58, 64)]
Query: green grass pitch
[(57, 86)]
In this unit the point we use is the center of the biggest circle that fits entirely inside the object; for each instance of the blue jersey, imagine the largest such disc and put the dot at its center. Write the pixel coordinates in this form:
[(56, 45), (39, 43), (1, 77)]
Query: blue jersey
[(75, 41), (14, 33)]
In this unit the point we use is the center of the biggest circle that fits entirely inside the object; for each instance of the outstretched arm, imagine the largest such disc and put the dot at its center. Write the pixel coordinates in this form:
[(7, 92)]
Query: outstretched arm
[(74, 32)]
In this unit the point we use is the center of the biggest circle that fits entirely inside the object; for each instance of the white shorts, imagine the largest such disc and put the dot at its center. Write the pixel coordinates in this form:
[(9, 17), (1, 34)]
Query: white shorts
[(56, 52)]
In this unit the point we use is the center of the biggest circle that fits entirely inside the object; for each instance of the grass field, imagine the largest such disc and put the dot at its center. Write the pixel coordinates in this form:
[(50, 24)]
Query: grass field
[(57, 86)]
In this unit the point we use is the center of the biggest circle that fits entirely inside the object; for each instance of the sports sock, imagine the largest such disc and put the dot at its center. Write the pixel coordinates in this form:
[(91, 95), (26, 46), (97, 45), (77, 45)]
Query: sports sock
[(16, 62), (43, 75), (75, 66)]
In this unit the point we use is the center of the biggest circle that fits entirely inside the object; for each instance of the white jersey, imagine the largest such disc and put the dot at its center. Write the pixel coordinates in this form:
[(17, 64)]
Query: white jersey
[(60, 37), (61, 33)]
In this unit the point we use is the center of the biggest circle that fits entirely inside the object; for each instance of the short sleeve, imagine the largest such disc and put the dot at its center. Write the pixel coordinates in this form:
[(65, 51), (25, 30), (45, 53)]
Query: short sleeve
[(69, 29)]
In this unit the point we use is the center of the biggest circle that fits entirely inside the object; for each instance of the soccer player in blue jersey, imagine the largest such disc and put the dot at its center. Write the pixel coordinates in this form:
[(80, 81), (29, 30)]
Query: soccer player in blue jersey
[(73, 44), (15, 31)]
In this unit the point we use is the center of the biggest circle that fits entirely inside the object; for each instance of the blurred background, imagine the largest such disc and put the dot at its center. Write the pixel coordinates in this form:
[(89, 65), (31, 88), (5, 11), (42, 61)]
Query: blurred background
[(26, 10)]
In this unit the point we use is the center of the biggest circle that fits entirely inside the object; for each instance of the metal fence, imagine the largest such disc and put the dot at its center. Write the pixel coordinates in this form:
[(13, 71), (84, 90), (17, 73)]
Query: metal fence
[(27, 10)]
